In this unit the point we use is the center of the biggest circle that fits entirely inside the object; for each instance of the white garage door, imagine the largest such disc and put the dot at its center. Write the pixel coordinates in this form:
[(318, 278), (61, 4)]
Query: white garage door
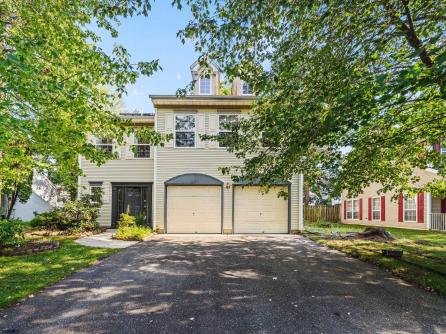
[(255, 212), (193, 209)]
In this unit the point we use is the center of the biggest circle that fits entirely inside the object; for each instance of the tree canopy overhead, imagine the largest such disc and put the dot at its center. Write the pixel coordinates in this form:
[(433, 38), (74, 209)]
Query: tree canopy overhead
[(350, 90), (55, 85)]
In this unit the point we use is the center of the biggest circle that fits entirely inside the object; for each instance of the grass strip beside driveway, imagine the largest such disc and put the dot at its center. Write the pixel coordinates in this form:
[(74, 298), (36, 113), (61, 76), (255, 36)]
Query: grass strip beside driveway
[(423, 262), (21, 276)]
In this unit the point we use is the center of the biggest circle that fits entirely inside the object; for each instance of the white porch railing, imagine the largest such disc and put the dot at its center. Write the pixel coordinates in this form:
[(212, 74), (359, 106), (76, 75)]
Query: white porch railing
[(438, 221)]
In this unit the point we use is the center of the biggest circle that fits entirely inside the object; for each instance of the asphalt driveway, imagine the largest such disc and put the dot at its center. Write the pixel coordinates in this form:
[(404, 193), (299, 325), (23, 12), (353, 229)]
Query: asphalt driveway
[(235, 284)]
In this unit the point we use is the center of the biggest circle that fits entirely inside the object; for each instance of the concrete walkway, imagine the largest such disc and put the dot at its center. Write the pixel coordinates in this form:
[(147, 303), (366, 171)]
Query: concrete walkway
[(105, 240)]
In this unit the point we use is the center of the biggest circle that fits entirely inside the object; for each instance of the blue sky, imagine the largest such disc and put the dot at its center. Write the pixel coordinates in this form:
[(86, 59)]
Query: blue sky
[(154, 37)]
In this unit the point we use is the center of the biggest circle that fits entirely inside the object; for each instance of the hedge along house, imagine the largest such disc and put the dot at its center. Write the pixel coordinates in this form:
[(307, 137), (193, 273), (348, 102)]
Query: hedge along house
[(422, 211), (178, 188)]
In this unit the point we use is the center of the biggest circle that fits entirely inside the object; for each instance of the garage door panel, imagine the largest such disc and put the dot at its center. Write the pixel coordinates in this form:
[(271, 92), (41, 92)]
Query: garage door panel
[(255, 212), (194, 209)]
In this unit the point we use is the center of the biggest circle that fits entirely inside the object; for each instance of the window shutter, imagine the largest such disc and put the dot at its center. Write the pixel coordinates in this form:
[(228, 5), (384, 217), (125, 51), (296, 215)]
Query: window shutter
[(400, 208), (200, 130), (443, 205), (169, 125), (437, 147), (383, 208), (213, 129), (420, 208), (370, 209), (345, 210), (128, 147), (360, 209)]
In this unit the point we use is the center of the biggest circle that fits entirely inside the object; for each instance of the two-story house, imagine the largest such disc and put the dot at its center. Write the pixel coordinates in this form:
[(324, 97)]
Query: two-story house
[(178, 187)]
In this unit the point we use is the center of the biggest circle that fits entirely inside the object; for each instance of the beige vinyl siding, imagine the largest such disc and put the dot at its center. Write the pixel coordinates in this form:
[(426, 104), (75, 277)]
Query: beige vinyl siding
[(172, 162), (125, 169), (391, 210)]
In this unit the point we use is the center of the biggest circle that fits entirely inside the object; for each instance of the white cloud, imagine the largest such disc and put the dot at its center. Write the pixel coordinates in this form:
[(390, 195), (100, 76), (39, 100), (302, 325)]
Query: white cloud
[(178, 76), (136, 92)]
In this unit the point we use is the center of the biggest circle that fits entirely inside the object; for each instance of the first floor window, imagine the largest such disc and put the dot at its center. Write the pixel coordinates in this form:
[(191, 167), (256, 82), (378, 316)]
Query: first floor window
[(246, 90), (410, 209), (184, 130), (142, 148), (224, 123), (96, 189), (352, 209), (105, 145), (376, 208)]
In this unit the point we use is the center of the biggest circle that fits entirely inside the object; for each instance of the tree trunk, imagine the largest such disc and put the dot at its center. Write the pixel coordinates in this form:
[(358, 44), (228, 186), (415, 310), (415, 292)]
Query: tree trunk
[(11, 202)]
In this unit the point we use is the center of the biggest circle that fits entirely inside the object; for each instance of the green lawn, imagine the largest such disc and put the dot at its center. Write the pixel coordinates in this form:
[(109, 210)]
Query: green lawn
[(21, 276), (423, 262)]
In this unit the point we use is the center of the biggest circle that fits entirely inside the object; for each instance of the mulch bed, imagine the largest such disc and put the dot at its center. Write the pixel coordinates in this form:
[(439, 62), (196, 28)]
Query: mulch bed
[(30, 247)]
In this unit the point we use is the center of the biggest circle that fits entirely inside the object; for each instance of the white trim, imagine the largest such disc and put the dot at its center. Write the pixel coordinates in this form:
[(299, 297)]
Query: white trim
[(351, 200), (241, 89), (210, 84), (175, 130), (380, 209), (218, 126), (300, 221), (416, 210), (429, 210)]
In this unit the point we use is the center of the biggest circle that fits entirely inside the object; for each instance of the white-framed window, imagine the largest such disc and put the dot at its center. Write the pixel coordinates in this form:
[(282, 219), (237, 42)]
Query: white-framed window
[(104, 144), (352, 209), (141, 149), (224, 120), (443, 150), (185, 130), (410, 209), (246, 90), (376, 208), (205, 85), (96, 188)]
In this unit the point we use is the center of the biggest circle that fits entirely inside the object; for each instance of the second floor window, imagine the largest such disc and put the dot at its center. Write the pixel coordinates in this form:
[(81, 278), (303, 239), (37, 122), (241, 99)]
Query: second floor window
[(352, 209), (105, 145), (184, 130), (205, 86), (246, 90), (142, 148), (410, 209), (223, 122), (376, 208)]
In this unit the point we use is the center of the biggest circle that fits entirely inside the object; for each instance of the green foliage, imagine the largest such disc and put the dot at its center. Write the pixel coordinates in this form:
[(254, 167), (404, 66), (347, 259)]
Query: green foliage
[(132, 232), (53, 85), (126, 220), (141, 219), (12, 233), (75, 215), (24, 275), (352, 92)]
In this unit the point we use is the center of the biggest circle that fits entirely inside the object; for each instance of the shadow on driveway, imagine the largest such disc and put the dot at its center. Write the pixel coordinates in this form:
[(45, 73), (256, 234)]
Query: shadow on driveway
[(229, 284)]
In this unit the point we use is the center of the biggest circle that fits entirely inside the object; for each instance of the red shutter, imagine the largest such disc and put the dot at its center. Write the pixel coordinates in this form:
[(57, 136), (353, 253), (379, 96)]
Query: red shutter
[(437, 147), (383, 208), (370, 208), (420, 208), (400, 208), (360, 209), (345, 210), (443, 205)]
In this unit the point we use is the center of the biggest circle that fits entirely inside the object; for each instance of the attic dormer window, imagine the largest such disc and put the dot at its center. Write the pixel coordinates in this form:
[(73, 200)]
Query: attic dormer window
[(246, 90), (205, 85)]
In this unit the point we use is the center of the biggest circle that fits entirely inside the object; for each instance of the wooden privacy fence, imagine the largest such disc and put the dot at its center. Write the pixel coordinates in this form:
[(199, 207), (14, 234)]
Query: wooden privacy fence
[(329, 213)]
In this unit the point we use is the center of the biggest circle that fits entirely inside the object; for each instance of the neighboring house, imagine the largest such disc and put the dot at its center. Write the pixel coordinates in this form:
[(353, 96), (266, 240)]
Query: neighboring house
[(178, 188), (44, 197), (421, 211)]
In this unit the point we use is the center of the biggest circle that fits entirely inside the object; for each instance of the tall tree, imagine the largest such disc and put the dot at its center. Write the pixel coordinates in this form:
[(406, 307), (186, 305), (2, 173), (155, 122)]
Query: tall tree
[(54, 85), (360, 85)]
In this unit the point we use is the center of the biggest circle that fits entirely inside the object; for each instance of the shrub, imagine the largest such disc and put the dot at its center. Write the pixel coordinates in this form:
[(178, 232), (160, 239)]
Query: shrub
[(126, 220), (77, 215), (141, 219), (135, 233), (12, 233)]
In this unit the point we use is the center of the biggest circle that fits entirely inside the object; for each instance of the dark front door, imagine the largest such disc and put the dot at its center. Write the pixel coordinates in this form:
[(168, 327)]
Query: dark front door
[(134, 199)]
